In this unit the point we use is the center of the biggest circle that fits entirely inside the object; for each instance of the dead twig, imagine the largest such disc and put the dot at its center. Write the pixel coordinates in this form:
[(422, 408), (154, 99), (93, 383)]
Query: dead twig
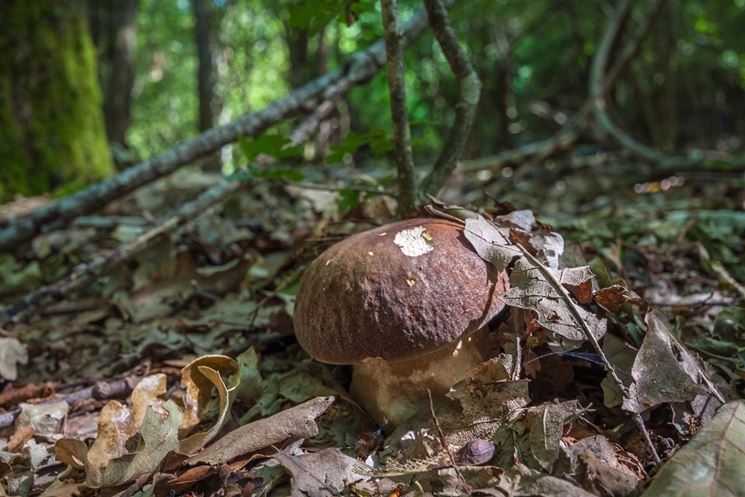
[(407, 181), (85, 273), (572, 307), (360, 69), (445, 445), (469, 88)]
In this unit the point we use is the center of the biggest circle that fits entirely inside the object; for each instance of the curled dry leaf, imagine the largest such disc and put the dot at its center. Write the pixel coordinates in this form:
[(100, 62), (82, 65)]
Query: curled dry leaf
[(711, 463), (198, 440), (298, 421), (199, 385)]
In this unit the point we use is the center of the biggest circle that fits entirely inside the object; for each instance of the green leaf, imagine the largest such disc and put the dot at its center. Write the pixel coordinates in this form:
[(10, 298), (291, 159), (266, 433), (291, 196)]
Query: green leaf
[(379, 141), (272, 144), (711, 463), (348, 200)]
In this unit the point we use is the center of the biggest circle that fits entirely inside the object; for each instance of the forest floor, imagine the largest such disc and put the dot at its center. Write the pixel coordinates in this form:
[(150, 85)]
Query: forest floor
[(190, 344)]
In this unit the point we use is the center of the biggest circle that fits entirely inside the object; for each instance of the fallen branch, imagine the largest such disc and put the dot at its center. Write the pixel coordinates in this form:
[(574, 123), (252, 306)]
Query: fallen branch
[(407, 181), (362, 66), (599, 90), (87, 272), (565, 138), (469, 88)]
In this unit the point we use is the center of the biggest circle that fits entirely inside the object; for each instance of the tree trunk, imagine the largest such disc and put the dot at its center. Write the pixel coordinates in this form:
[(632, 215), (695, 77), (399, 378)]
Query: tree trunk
[(204, 37), (301, 69), (205, 21), (113, 25), (51, 124)]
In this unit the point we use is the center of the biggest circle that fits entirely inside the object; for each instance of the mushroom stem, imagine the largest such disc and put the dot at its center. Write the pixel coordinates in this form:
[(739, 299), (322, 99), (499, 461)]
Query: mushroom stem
[(392, 392)]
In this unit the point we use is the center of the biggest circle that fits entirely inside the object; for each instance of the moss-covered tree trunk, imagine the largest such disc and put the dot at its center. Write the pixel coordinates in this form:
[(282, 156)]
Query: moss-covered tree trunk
[(51, 124)]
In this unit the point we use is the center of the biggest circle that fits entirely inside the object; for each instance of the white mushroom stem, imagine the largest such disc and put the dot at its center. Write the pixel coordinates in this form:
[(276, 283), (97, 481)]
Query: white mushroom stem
[(392, 392)]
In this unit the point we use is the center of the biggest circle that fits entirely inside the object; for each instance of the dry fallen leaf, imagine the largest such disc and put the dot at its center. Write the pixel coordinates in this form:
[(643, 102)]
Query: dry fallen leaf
[(298, 421), (199, 378), (12, 353), (712, 463), (45, 419), (532, 289), (491, 243), (658, 374), (324, 473)]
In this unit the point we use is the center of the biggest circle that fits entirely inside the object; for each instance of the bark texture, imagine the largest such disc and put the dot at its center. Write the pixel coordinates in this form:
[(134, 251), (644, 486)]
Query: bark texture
[(51, 123)]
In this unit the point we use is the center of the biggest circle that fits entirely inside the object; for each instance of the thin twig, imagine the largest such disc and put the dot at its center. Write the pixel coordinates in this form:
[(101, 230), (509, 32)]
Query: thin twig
[(87, 272), (572, 307), (469, 87), (407, 184), (598, 93), (570, 132), (445, 445), (361, 67)]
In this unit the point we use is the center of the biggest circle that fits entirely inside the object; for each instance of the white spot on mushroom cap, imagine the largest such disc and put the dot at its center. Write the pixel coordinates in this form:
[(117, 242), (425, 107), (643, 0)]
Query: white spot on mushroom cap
[(414, 241)]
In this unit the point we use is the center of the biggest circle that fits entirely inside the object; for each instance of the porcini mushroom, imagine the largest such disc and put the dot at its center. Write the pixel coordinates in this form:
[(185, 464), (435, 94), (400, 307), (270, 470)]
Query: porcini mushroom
[(404, 304)]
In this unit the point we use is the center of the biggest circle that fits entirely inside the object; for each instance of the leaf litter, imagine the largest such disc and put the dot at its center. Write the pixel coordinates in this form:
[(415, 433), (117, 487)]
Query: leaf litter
[(542, 417)]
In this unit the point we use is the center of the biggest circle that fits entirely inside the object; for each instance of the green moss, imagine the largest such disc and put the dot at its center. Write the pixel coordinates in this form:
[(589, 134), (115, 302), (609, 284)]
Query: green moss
[(51, 122)]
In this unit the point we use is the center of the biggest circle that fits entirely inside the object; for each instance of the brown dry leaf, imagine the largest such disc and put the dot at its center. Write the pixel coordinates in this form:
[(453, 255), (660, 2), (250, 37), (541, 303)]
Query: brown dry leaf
[(72, 452), (594, 463), (491, 243), (148, 393), (531, 289), (488, 393), (115, 426), (197, 441), (711, 463), (611, 298), (658, 375), (45, 419), (521, 481), (12, 353), (578, 280), (546, 424), (199, 378), (159, 436), (298, 421), (324, 473)]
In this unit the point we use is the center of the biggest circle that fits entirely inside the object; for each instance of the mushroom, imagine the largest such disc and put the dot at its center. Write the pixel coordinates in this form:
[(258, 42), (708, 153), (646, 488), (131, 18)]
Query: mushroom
[(406, 304)]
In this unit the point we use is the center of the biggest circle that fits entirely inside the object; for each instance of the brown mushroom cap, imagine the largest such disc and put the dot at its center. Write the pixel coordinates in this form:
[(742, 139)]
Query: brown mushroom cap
[(396, 292)]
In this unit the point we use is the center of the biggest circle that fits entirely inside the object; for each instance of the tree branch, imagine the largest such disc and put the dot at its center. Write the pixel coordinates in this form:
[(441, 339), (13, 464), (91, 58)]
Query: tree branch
[(407, 181), (87, 272), (469, 86), (599, 88), (362, 66)]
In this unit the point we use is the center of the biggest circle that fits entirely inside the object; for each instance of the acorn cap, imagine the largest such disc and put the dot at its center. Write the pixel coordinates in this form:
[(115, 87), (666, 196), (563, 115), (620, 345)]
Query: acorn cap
[(397, 292)]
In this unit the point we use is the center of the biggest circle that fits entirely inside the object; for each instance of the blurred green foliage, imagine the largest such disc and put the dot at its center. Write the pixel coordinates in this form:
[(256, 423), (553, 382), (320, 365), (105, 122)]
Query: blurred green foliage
[(534, 60), (686, 89)]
